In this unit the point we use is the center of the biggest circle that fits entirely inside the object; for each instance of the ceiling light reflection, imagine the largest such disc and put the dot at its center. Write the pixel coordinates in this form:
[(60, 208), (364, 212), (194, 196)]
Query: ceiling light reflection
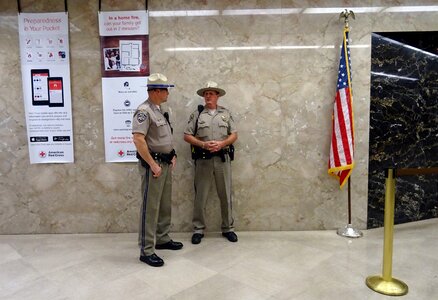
[(288, 11), (419, 50), (406, 46), (293, 47), (394, 76), (271, 11), (189, 49), (184, 13), (242, 48), (247, 48), (337, 10), (411, 9), (359, 46)]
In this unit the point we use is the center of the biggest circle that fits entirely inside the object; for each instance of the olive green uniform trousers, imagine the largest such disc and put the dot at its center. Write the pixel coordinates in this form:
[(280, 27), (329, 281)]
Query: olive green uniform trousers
[(155, 213), (207, 170)]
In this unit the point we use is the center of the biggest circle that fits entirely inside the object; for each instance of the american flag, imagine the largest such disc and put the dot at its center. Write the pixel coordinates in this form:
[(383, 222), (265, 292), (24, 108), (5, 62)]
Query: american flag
[(341, 160)]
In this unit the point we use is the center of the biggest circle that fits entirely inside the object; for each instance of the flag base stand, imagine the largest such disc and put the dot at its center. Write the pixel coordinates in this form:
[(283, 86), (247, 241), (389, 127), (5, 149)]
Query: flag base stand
[(391, 287), (349, 231)]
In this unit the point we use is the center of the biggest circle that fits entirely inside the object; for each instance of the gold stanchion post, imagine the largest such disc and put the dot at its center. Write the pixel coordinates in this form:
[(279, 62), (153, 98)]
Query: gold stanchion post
[(386, 284)]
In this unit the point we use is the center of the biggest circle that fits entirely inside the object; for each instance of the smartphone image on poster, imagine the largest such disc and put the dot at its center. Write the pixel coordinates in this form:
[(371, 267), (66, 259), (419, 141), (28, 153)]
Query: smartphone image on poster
[(40, 92), (56, 92)]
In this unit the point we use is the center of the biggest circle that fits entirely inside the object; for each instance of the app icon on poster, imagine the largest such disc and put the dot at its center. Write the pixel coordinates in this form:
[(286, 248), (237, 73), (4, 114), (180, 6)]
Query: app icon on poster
[(28, 42), (50, 42), (56, 92), (40, 93)]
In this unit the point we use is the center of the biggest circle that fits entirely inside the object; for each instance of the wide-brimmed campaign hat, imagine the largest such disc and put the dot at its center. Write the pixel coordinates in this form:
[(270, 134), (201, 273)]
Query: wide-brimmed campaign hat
[(211, 86), (158, 81)]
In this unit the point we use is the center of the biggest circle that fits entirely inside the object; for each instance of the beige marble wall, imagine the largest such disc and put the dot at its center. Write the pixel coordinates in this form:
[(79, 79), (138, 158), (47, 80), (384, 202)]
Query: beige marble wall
[(281, 98)]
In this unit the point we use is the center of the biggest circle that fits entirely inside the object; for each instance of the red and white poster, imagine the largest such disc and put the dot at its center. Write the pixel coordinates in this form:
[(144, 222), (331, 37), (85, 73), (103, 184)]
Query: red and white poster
[(124, 47), (45, 71)]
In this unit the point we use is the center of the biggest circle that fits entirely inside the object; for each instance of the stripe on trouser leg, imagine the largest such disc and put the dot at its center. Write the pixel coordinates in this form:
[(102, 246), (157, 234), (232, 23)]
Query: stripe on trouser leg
[(143, 212), (231, 194)]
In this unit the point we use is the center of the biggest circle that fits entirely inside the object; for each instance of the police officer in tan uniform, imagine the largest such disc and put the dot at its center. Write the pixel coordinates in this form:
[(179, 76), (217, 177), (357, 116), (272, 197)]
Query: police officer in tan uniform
[(153, 139), (211, 132)]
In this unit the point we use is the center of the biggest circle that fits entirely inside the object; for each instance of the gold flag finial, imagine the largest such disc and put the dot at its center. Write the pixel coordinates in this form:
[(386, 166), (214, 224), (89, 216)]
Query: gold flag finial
[(346, 14)]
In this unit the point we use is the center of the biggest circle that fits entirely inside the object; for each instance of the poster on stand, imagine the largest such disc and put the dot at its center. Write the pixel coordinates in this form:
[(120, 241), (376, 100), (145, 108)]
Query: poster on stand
[(45, 71), (124, 48)]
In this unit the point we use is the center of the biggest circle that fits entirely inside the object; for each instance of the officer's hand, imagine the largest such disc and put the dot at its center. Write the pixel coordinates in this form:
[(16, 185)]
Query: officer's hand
[(173, 163), (156, 170), (212, 146), (209, 145), (216, 146), (220, 145)]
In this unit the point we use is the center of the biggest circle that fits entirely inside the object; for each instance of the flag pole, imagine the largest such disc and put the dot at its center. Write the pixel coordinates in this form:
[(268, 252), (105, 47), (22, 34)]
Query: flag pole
[(349, 200), (348, 231)]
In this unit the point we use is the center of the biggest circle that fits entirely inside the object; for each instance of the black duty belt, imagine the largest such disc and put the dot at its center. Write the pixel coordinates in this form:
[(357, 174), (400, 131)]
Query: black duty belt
[(158, 156), (199, 153), (163, 157)]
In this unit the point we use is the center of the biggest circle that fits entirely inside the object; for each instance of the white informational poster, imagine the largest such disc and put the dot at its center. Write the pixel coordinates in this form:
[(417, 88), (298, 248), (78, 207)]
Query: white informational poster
[(124, 44), (121, 100), (45, 71)]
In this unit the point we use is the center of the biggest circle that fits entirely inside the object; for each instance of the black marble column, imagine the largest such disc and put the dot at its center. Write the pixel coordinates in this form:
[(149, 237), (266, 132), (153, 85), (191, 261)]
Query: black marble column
[(403, 123)]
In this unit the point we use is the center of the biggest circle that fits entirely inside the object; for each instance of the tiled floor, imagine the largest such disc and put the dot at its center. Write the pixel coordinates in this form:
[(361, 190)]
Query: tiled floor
[(262, 265)]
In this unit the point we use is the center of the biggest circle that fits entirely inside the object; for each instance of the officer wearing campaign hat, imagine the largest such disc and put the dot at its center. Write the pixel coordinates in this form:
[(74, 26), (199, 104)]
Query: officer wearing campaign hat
[(158, 81), (211, 132), (152, 135)]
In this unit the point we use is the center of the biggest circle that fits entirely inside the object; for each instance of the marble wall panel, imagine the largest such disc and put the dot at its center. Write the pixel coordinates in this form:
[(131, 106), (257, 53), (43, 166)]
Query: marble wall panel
[(404, 123), (277, 61)]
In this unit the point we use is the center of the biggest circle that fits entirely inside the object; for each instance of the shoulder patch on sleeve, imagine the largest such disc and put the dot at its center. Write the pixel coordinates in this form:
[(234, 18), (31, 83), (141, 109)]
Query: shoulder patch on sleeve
[(141, 117)]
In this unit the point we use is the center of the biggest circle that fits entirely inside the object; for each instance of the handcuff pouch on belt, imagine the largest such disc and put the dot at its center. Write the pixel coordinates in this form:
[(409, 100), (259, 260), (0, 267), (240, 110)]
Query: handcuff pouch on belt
[(161, 157), (199, 153)]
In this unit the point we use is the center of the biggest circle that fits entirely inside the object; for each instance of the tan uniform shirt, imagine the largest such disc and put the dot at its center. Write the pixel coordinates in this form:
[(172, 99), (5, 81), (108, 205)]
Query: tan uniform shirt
[(149, 121), (211, 127)]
